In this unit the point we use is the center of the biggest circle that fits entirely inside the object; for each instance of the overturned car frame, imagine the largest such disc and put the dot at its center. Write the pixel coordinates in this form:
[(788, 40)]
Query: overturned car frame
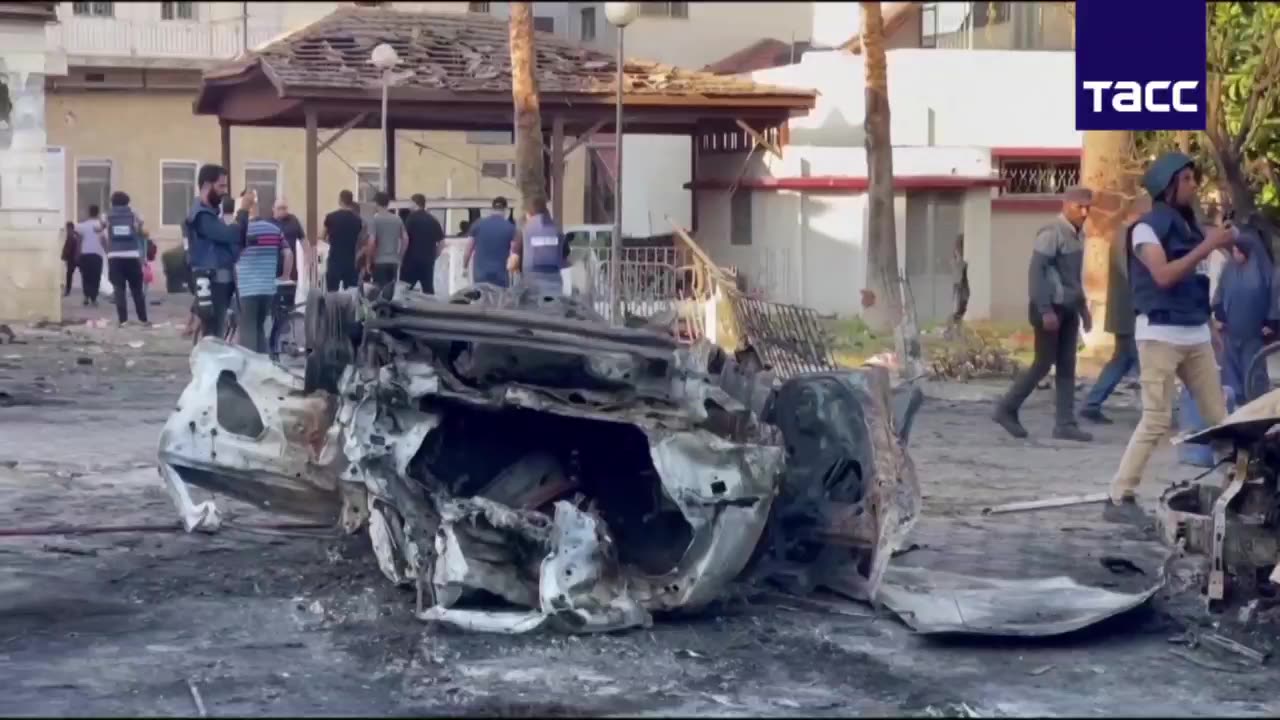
[(514, 445)]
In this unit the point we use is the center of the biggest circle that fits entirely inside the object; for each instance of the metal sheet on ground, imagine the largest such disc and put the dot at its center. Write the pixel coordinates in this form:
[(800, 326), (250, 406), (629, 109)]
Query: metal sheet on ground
[(1037, 574)]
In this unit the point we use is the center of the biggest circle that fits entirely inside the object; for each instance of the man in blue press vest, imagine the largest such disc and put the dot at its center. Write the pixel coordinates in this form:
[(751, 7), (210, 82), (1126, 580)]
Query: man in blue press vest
[(126, 252), (1169, 275), (542, 249)]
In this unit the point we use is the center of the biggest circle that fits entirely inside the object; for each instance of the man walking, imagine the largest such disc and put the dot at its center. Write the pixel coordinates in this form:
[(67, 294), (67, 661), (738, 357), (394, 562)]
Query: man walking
[(389, 243), (542, 249), (1119, 322), (1056, 311), (1169, 278), (92, 254), (125, 257), (344, 231), (265, 258), (493, 240), (70, 255), (214, 245), (426, 237)]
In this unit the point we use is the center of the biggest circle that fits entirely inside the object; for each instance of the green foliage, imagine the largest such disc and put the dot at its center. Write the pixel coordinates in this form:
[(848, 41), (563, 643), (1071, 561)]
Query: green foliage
[(1244, 87)]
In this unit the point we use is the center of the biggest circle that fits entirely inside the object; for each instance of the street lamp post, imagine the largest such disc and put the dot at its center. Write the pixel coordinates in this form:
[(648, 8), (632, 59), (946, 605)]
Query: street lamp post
[(619, 14), (385, 58)]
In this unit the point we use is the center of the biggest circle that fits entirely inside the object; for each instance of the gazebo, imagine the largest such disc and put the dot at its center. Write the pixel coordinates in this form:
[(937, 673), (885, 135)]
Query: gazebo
[(459, 78)]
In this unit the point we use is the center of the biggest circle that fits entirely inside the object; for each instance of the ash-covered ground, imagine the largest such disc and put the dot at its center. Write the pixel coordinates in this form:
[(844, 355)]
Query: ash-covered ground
[(127, 624)]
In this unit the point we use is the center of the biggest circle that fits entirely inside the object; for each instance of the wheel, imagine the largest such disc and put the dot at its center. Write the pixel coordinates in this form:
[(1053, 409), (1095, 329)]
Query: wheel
[(1258, 382)]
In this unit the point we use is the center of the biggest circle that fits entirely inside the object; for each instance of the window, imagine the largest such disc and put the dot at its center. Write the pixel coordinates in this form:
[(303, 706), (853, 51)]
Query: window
[(177, 11), (478, 7), (93, 186), (177, 188), (1039, 177), (664, 9), (94, 9), (544, 24), (264, 179), (740, 217), (490, 137), (588, 24), (368, 181), (501, 170)]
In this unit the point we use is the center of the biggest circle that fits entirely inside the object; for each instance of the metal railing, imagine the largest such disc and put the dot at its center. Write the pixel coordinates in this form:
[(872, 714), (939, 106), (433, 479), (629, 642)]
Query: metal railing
[(219, 40)]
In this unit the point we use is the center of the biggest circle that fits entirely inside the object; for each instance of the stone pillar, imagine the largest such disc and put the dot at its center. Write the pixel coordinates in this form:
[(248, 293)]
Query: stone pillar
[(30, 217)]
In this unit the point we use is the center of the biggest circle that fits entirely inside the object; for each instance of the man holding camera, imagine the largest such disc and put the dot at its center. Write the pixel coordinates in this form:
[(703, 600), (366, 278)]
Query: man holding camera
[(1169, 274)]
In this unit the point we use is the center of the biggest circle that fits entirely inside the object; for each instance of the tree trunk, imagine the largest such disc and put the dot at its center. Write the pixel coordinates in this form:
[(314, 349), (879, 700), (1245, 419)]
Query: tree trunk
[(883, 302), (883, 306), (530, 176), (1110, 168)]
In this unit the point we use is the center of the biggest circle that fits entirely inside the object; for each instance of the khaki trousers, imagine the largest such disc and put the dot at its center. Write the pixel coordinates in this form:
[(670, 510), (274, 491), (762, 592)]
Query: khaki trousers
[(1160, 362)]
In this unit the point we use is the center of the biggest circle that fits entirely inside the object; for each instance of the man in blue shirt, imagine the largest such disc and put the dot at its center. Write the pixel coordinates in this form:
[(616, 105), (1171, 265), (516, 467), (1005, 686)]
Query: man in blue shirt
[(213, 244), (493, 240)]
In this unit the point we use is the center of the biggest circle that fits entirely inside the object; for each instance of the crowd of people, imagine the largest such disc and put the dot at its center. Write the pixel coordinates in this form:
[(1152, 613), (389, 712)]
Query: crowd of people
[(119, 241), (1169, 323)]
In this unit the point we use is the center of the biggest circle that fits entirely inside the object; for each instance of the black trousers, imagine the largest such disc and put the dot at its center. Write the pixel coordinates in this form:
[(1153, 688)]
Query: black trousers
[(91, 276), (421, 271), (254, 311), (127, 272), (281, 312), (1053, 349), (220, 294), (71, 274), (336, 277)]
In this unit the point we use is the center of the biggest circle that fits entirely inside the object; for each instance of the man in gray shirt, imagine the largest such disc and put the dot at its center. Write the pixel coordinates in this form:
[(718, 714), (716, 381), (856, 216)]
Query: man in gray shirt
[(389, 242), (1056, 310)]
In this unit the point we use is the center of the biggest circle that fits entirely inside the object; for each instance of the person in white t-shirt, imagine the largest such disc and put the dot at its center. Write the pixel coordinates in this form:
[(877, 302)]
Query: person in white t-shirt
[(1168, 275)]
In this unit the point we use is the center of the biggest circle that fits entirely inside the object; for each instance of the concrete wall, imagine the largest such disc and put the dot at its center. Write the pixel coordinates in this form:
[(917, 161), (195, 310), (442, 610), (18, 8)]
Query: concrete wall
[(104, 126), (1012, 234), (29, 219)]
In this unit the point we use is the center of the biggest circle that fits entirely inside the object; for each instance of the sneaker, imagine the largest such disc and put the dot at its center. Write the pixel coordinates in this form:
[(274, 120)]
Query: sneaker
[(1095, 416), (1071, 432), (1127, 512), (1009, 421)]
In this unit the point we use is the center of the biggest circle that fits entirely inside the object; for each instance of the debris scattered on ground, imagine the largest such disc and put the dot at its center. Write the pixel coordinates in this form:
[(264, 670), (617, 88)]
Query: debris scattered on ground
[(1229, 645), (195, 697), (84, 360), (973, 355), (1059, 502), (136, 344), (1036, 672), (1120, 566)]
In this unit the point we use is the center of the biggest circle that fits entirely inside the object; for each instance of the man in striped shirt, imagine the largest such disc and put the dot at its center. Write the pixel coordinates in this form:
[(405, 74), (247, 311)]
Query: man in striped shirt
[(257, 269)]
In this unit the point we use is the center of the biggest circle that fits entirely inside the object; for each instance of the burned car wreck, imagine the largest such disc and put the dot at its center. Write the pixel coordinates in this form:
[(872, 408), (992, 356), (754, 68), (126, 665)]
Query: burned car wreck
[(511, 446)]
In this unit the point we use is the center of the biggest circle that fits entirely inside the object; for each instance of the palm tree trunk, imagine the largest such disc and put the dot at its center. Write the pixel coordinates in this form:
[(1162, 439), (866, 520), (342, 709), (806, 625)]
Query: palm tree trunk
[(530, 177), (883, 306), (1110, 168)]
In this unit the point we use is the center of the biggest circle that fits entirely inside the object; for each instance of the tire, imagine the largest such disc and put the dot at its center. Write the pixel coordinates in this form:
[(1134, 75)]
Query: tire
[(1253, 388)]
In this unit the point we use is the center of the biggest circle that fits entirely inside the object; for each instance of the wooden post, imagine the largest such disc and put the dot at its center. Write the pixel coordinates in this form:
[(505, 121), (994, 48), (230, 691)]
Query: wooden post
[(312, 157), (391, 159), (693, 181), (225, 127), (557, 169)]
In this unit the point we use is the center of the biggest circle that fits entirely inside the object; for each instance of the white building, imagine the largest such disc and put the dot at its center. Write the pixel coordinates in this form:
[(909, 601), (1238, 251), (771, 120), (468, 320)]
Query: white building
[(983, 132)]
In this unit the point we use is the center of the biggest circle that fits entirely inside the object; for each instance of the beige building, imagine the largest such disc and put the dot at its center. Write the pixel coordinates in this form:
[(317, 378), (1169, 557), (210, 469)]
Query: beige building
[(122, 116), (30, 220)]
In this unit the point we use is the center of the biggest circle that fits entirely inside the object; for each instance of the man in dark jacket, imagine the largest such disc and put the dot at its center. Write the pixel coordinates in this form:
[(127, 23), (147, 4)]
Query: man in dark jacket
[(426, 237), (214, 245), (1169, 278), (1119, 322), (1056, 311)]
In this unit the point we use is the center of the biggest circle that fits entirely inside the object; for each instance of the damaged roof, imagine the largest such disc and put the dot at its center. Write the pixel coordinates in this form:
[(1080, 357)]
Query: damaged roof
[(463, 54)]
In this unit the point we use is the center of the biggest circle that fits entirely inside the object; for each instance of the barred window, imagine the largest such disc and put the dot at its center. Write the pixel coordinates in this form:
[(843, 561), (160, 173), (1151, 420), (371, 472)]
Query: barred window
[(1039, 177)]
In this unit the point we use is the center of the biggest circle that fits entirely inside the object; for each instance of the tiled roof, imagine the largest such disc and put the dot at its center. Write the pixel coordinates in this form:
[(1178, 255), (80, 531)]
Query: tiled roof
[(467, 53)]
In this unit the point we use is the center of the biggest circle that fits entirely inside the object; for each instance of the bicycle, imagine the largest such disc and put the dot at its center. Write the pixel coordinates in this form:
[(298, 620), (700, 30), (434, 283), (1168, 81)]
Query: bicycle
[(1258, 384)]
